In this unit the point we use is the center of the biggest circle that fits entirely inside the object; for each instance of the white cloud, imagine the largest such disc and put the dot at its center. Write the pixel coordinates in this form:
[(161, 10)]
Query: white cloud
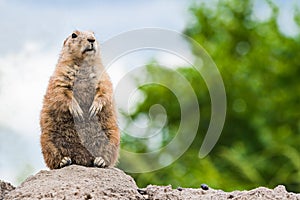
[(24, 77)]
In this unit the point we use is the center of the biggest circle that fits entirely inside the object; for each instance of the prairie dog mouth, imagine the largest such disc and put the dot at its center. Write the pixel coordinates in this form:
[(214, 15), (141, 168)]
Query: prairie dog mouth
[(89, 48)]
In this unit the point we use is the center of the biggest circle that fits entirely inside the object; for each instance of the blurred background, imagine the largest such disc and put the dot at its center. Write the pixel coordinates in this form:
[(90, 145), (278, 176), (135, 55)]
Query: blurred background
[(255, 45)]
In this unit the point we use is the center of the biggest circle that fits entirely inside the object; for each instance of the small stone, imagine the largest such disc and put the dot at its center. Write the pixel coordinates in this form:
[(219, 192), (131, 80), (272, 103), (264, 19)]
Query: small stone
[(204, 187), (179, 188)]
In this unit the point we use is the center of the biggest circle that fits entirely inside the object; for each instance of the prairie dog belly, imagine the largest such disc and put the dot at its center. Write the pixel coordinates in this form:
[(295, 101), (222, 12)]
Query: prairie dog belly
[(84, 88), (89, 130)]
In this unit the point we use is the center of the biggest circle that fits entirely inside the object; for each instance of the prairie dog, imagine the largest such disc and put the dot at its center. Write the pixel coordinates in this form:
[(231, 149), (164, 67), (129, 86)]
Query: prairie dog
[(78, 119)]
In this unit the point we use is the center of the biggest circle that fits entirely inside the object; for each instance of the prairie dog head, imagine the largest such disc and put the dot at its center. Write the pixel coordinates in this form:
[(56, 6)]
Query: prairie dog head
[(81, 45)]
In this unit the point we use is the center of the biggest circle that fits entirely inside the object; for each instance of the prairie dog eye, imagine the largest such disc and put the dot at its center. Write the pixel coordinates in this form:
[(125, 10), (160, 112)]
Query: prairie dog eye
[(74, 35)]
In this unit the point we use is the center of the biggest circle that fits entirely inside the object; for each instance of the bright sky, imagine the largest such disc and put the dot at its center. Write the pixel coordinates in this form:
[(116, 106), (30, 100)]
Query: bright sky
[(31, 36)]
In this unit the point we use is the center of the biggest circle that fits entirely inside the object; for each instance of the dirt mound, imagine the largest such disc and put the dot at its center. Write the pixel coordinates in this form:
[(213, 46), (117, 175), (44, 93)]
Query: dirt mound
[(77, 182)]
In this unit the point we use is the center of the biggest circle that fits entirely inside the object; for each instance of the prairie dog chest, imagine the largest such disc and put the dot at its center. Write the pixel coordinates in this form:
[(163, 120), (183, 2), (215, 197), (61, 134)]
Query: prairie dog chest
[(84, 87)]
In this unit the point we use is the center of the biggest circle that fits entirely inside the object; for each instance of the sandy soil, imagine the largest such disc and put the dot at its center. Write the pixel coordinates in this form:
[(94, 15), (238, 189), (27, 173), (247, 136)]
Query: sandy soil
[(77, 182)]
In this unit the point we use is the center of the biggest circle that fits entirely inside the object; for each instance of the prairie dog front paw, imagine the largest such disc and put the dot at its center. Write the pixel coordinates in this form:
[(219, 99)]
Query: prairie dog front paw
[(95, 108), (75, 110)]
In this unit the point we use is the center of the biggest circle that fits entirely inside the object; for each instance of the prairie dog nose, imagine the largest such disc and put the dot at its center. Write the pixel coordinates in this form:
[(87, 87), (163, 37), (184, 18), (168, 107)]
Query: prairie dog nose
[(91, 40)]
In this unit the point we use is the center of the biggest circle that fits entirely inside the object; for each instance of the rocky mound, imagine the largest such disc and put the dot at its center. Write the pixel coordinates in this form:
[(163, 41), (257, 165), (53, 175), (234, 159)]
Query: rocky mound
[(5, 188), (77, 182), (261, 193)]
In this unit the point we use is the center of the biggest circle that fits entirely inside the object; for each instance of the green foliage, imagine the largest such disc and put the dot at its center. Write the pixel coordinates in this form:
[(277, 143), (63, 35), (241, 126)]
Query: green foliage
[(259, 145)]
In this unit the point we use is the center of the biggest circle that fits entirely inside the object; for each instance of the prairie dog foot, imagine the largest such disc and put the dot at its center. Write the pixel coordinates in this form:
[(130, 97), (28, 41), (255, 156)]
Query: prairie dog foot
[(99, 162), (65, 162)]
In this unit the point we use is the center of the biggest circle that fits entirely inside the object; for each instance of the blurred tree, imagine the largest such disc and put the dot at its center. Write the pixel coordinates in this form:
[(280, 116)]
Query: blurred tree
[(259, 145)]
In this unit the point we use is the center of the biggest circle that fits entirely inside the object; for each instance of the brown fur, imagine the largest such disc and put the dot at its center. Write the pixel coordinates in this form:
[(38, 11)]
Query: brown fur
[(78, 87)]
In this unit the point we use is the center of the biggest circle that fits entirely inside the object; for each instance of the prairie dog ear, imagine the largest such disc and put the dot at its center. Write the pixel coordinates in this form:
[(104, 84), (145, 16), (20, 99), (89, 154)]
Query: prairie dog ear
[(75, 32), (66, 40)]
